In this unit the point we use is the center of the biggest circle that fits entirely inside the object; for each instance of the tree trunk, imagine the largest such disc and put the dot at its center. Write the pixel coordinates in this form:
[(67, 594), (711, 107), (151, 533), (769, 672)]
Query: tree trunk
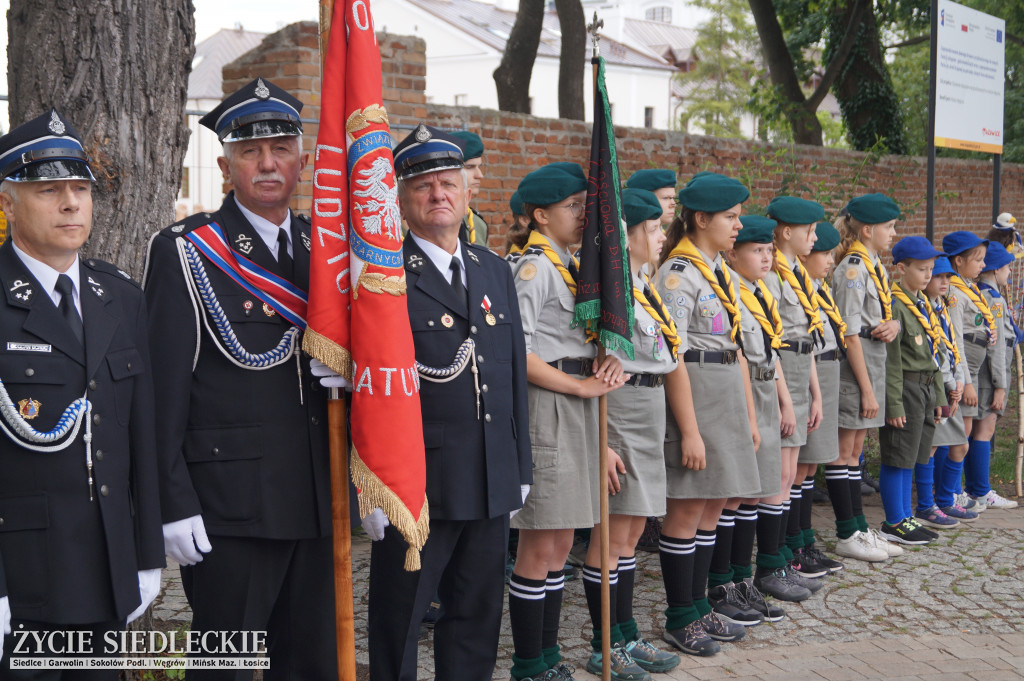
[(118, 69), (573, 58), (512, 77)]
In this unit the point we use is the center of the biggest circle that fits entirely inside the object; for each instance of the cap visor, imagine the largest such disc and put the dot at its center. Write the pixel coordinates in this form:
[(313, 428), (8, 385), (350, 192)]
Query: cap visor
[(263, 129), (56, 169)]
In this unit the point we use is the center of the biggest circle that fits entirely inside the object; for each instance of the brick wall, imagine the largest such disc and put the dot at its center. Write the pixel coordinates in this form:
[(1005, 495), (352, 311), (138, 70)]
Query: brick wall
[(517, 143)]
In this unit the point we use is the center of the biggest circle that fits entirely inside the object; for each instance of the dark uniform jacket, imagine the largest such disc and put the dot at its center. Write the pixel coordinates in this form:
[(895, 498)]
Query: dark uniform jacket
[(245, 448), (475, 466), (63, 557)]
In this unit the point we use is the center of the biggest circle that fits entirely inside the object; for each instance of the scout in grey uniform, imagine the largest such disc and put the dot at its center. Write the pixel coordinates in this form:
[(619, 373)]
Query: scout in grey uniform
[(662, 183), (636, 435), (861, 289), (473, 230), (802, 334), (732, 592), (563, 419), (705, 467)]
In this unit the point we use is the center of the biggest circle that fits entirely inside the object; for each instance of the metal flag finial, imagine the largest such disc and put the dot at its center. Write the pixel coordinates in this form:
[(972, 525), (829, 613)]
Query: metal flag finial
[(592, 29)]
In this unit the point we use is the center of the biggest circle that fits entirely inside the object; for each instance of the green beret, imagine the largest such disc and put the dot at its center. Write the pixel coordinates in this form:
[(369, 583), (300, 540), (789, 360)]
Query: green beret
[(711, 193), (640, 205), (574, 169), (704, 173), (472, 145), (795, 211), (548, 185), (756, 230), (515, 204), (651, 179), (828, 237), (873, 209)]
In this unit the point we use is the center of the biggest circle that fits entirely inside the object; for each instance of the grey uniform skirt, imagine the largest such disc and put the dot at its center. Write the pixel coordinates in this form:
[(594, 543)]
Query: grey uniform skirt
[(721, 408), (849, 391), (952, 432), (636, 431), (564, 436), (986, 391), (797, 369), (769, 454), (823, 444), (975, 358)]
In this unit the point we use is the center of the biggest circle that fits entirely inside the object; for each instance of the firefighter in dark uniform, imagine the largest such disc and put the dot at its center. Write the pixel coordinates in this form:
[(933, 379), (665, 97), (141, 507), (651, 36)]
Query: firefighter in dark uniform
[(475, 428), (242, 421), (80, 542)]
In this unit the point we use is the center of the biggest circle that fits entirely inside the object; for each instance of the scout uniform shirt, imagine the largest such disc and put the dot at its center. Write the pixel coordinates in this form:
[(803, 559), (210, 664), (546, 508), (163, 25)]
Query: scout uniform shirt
[(701, 319), (758, 353), (651, 350), (856, 295), (910, 351), (952, 372), (998, 360), (795, 325), (829, 335)]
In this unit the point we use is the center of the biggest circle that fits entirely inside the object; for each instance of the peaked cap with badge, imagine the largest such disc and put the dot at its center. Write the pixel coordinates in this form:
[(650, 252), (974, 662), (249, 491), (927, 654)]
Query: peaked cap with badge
[(427, 150), (259, 109), (46, 148)]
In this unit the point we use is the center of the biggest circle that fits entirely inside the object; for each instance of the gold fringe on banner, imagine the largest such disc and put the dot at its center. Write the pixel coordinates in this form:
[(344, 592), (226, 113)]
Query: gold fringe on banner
[(375, 494), (327, 351)]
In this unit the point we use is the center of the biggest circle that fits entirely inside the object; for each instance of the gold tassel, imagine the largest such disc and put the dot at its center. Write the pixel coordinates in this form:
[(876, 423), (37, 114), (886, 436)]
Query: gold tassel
[(373, 493), (337, 358)]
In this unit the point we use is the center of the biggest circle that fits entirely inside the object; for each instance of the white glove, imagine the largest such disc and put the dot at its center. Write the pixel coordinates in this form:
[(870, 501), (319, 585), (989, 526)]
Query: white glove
[(375, 523), (149, 589), (525, 491), (183, 537), (329, 378), (5, 622)]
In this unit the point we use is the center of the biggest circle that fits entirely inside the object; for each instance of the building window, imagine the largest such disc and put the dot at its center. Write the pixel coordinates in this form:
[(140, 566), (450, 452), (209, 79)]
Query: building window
[(648, 116), (662, 14), (185, 183), (460, 100)]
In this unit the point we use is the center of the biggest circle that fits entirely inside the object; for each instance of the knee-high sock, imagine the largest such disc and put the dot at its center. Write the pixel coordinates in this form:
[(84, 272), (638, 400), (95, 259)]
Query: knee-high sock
[(553, 588), (526, 617), (769, 527), (976, 467), (592, 591), (720, 569), (890, 481), (624, 598), (743, 541), (786, 505), (794, 537), (705, 547), (676, 555), (806, 506), (908, 491), (837, 480), (924, 477), (939, 462), (947, 480)]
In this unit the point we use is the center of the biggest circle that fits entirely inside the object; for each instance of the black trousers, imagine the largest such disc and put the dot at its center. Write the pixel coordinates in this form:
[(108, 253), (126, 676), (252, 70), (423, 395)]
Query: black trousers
[(464, 562), (282, 587), (16, 644)]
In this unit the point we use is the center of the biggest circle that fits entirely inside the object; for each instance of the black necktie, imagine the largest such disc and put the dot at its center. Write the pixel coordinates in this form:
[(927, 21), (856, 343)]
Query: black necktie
[(574, 271), (457, 286), (768, 315), (283, 259), (67, 306), (720, 275)]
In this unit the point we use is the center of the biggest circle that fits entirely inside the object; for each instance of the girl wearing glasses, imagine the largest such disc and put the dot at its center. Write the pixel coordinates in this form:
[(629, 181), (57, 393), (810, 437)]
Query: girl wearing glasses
[(662, 183), (563, 380)]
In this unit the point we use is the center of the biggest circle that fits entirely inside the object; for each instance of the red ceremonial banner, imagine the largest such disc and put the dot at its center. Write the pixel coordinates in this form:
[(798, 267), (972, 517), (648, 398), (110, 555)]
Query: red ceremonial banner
[(358, 322)]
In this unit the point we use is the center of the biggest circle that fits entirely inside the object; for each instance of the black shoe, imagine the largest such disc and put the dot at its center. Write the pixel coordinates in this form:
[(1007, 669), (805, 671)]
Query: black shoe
[(812, 584), (776, 583), (720, 630), (806, 565), (918, 525), (833, 566), (903, 533), (769, 611), (819, 495), (562, 672), (728, 603), (649, 540), (692, 640)]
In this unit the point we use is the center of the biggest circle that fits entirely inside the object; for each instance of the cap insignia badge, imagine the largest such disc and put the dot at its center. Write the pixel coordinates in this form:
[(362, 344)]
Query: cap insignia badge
[(56, 126), (422, 135), (262, 91)]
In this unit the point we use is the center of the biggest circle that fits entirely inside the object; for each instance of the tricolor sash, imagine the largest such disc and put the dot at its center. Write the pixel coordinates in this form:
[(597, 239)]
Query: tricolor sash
[(285, 298)]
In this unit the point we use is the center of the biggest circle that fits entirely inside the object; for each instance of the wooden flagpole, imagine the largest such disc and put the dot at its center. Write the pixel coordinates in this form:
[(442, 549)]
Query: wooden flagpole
[(602, 412), (344, 612)]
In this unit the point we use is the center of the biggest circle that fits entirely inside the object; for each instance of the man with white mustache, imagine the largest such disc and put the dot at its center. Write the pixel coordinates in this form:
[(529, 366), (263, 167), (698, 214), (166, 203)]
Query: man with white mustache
[(241, 418)]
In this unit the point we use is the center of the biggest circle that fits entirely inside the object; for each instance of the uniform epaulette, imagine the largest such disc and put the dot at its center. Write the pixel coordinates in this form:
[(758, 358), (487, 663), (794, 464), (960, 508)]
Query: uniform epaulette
[(513, 257), (109, 268), (678, 265), (189, 223), (854, 259), (305, 218), (534, 250)]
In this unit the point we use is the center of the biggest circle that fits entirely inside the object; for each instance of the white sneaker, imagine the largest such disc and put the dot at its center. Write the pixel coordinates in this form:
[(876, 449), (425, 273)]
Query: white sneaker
[(969, 503), (860, 547), (892, 549), (994, 500)]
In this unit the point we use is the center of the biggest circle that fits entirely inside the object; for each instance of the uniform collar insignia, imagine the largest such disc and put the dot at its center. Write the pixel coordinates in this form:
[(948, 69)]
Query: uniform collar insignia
[(22, 295), (472, 256), (305, 240), (414, 262), (178, 229), (244, 243), (96, 287)]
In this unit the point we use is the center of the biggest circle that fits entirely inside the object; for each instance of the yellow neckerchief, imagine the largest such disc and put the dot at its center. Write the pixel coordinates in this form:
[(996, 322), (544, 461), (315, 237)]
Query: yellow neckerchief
[(827, 303), (513, 249), (804, 293), (539, 240), (470, 226), (771, 327), (687, 251), (974, 295), (878, 276), (930, 323), (950, 340), (660, 314)]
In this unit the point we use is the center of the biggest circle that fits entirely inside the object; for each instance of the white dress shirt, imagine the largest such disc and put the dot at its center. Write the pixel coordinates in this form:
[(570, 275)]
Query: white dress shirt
[(47, 277), (267, 230), (442, 259)]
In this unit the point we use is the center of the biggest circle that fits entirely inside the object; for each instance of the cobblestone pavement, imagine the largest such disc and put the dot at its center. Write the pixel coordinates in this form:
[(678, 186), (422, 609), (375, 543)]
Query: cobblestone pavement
[(952, 610)]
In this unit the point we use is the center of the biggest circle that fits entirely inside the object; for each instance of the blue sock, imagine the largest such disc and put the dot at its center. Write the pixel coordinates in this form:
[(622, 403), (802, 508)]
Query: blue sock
[(890, 482), (908, 492), (947, 480), (860, 461), (924, 476), (976, 468), (939, 461)]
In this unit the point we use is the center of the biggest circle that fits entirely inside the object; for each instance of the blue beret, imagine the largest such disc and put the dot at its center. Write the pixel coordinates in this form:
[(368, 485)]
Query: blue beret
[(472, 145), (956, 243), (914, 248), (756, 230), (640, 205), (996, 256), (942, 266), (258, 109), (711, 193), (548, 185), (828, 237), (574, 169), (427, 150), (651, 179), (515, 204), (795, 211), (873, 209), (46, 148)]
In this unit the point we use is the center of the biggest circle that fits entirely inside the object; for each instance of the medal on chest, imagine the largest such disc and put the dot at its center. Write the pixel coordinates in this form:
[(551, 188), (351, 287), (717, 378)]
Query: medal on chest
[(488, 315)]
